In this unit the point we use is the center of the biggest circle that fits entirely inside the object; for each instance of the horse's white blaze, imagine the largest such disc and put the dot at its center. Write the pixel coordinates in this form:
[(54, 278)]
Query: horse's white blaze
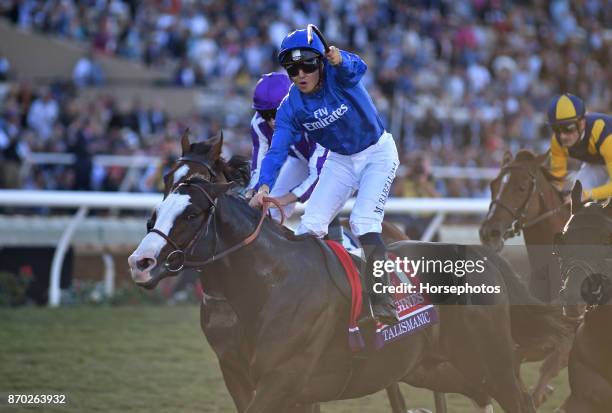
[(167, 212), (180, 173)]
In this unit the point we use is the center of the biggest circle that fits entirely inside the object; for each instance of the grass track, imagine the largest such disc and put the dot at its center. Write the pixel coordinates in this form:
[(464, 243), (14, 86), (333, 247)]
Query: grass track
[(143, 359)]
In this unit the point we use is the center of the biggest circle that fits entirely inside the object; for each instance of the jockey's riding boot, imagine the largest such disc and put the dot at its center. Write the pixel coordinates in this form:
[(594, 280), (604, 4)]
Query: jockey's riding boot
[(383, 306), (334, 232)]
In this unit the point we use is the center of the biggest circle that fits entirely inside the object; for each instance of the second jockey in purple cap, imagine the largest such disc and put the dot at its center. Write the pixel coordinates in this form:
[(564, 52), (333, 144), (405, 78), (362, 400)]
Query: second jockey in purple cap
[(300, 172)]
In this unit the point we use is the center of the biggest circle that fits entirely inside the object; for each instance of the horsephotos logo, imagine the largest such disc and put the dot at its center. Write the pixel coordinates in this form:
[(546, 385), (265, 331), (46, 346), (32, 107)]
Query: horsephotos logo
[(405, 269), (324, 118)]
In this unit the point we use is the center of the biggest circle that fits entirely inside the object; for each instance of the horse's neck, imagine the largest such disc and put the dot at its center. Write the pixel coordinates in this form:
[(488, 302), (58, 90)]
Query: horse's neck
[(245, 276), (543, 232)]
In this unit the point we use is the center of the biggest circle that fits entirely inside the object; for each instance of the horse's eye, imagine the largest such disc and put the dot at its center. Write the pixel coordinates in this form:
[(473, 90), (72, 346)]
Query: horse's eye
[(192, 216)]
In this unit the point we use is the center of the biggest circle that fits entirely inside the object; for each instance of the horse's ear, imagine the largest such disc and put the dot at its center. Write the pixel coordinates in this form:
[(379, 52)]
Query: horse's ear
[(185, 145), (576, 197), (216, 143), (507, 158)]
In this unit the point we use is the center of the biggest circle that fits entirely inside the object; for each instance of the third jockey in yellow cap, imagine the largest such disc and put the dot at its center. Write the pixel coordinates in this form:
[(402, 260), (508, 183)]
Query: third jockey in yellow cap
[(583, 136)]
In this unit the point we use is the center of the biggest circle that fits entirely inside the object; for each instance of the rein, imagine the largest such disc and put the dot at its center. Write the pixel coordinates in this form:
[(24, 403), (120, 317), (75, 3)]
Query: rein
[(181, 254)]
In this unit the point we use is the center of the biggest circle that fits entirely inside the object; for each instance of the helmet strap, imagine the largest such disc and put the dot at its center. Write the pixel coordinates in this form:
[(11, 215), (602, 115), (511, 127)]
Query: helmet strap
[(320, 82)]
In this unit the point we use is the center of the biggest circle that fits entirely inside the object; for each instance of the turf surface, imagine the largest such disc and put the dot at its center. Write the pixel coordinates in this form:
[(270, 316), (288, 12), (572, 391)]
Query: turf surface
[(143, 359)]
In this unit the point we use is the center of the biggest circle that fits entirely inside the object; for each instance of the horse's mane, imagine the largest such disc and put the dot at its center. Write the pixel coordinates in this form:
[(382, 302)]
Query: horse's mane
[(527, 156), (237, 169), (242, 205)]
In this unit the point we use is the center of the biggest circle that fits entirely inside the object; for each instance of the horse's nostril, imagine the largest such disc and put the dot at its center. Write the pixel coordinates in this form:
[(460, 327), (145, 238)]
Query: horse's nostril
[(145, 264)]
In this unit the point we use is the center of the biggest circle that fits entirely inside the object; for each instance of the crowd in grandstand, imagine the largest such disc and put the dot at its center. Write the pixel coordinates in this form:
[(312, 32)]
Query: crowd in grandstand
[(472, 77)]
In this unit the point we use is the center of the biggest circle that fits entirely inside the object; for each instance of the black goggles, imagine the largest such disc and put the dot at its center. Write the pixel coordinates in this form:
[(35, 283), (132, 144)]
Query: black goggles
[(307, 66), (268, 114), (565, 129)]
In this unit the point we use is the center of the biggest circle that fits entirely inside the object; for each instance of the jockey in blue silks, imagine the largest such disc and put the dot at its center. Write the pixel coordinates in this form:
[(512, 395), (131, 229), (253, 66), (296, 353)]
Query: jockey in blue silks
[(329, 102), (302, 167)]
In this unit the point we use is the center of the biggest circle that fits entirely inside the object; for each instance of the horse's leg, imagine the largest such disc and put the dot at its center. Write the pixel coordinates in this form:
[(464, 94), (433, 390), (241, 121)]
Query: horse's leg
[(479, 343), (237, 381), (498, 355), (549, 369), (443, 377), (288, 349), (223, 335), (396, 399)]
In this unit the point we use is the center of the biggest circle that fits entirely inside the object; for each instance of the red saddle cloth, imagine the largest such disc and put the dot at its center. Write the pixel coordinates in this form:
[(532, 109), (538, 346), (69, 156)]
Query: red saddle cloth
[(356, 342), (414, 309)]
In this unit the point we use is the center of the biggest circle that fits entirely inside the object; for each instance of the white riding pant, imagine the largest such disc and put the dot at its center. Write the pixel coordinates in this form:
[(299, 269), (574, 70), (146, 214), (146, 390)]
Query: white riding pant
[(370, 171), (293, 172)]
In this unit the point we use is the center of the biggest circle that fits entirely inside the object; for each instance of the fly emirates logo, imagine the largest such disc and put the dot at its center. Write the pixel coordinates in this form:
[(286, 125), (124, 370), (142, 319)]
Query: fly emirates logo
[(324, 118)]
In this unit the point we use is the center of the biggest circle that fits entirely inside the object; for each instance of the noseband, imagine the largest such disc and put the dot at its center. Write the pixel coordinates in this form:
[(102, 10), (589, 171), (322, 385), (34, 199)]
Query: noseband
[(180, 254)]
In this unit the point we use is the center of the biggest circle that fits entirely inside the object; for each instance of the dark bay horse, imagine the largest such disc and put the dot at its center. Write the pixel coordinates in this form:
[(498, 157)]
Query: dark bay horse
[(218, 320), (281, 287), (585, 252), (525, 200)]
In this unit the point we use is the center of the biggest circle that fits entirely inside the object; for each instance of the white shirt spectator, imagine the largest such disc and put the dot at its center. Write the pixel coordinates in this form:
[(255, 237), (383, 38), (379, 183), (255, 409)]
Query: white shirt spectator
[(43, 114), (82, 71), (455, 87), (478, 76), (204, 53)]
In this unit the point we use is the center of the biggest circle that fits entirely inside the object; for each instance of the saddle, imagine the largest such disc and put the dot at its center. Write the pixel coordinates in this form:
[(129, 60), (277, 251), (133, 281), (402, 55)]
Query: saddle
[(415, 311)]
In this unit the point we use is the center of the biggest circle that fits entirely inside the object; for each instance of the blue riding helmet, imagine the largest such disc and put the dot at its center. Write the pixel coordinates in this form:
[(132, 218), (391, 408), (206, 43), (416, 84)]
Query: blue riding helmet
[(270, 91), (564, 109), (298, 40)]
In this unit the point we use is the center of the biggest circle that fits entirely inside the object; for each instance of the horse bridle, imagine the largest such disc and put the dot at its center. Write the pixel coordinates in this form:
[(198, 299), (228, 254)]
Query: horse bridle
[(182, 253), (195, 159), (519, 216)]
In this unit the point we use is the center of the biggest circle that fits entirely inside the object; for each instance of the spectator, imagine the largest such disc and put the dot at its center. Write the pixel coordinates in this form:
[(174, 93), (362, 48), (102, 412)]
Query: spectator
[(87, 71), (487, 69), (416, 182), (5, 68), (43, 114)]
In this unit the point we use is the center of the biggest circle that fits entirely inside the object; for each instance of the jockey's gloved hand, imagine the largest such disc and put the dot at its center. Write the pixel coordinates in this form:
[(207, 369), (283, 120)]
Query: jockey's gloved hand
[(334, 56), (257, 200)]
